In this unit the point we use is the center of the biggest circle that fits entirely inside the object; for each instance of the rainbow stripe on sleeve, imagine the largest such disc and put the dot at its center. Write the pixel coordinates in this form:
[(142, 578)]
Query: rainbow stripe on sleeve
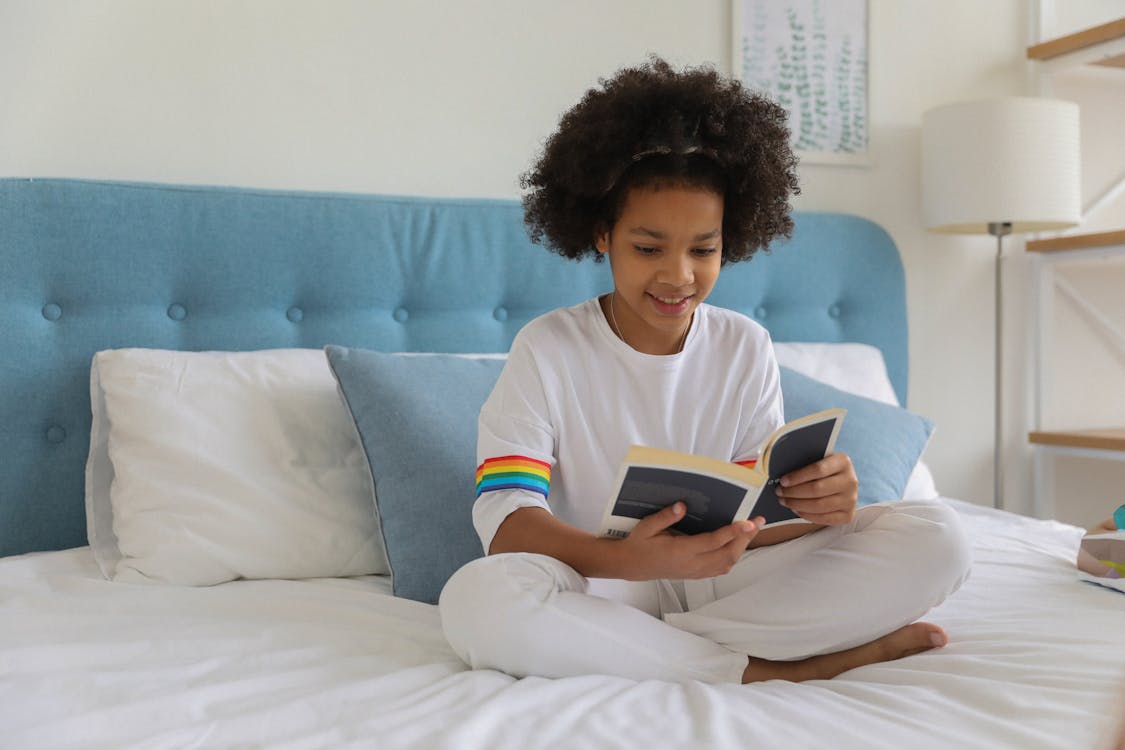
[(749, 463), (513, 473)]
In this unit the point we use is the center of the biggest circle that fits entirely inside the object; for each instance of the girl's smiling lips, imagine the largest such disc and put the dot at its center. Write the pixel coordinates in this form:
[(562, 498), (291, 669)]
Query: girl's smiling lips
[(670, 305)]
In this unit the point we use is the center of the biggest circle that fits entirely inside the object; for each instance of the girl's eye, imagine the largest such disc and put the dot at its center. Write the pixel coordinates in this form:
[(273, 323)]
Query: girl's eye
[(646, 250), (705, 251)]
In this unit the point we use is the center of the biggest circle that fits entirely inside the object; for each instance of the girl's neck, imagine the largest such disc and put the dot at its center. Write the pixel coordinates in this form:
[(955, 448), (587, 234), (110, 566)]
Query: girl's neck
[(663, 346)]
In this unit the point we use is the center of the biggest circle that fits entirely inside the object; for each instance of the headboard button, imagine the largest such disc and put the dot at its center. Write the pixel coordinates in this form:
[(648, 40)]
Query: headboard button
[(55, 434), (401, 315), (760, 312), (51, 311), (177, 312), (295, 314), (500, 313), (834, 311)]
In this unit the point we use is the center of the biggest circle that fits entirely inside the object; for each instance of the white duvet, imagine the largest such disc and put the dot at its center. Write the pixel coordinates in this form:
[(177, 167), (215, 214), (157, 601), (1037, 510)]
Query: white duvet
[(1035, 661)]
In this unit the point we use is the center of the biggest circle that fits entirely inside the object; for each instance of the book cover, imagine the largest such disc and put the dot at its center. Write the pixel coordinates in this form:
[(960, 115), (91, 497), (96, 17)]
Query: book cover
[(716, 492)]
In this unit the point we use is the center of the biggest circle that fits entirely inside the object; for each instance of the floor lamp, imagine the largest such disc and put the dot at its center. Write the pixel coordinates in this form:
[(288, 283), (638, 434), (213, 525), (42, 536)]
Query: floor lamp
[(995, 167)]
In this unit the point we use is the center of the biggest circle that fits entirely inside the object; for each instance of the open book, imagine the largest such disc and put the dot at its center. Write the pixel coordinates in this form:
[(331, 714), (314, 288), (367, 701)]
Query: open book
[(717, 492)]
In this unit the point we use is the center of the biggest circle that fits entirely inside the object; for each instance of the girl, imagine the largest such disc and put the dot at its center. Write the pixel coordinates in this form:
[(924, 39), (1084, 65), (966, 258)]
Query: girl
[(670, 175)]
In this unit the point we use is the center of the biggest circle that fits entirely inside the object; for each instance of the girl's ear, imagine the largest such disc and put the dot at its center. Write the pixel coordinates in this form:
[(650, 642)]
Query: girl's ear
[(601, 240)]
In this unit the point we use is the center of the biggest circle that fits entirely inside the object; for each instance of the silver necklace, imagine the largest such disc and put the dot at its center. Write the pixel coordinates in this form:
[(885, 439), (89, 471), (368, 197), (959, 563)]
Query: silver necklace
[(617, 329)]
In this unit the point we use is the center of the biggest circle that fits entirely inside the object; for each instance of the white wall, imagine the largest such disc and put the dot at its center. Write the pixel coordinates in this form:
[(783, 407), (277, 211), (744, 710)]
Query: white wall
[(429, 98), (453, 98)]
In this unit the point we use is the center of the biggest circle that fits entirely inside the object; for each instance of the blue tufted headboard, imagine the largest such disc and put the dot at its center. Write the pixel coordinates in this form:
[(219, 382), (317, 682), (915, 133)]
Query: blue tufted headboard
[(86, 266)]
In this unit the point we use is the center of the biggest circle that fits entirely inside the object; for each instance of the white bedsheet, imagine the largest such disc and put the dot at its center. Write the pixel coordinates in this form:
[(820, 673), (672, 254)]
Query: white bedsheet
[(1034, 662)]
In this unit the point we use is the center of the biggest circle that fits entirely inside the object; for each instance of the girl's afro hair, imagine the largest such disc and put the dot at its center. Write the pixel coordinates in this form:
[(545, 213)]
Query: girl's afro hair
[(652, 126)]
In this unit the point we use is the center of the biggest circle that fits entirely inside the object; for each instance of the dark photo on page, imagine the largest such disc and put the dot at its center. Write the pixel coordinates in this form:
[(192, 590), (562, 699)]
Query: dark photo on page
[(710, 502)]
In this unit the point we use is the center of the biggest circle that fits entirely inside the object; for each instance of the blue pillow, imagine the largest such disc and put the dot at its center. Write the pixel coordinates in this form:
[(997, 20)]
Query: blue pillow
[(883, 441), (417, 418)]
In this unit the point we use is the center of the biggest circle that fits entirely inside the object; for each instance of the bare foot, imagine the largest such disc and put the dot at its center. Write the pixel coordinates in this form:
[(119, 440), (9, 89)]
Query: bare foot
[(911, 639)]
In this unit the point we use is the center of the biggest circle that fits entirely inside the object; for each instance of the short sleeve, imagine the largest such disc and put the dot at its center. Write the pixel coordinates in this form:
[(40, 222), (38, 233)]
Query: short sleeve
[(515, 445), (763, 407)]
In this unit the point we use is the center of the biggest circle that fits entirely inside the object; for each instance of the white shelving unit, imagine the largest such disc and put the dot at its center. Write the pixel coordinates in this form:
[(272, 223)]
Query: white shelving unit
[(1105, 444), (1100, 45)]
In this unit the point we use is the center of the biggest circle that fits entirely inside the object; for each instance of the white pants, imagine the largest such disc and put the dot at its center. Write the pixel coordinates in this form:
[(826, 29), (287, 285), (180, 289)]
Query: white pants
[(839, 587)]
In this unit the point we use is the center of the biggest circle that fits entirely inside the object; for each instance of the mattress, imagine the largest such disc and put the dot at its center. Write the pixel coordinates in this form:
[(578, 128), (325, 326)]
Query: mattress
[(1035, 660)]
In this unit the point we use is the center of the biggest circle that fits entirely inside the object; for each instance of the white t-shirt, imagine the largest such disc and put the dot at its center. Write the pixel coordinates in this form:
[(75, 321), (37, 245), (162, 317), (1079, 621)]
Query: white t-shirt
[(573, 397)]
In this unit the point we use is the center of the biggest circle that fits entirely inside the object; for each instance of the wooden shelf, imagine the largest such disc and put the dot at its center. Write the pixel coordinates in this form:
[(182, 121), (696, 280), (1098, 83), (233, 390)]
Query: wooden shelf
[(1080, 40), (1077, 242), (1108, 439)]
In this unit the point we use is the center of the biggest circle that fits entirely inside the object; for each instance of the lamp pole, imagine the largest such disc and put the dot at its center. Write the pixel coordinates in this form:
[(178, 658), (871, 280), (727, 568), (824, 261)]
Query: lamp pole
[(999, 229)]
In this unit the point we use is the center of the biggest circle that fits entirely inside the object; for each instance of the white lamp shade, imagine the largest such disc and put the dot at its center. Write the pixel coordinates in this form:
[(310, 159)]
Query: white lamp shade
[(1001, 160)]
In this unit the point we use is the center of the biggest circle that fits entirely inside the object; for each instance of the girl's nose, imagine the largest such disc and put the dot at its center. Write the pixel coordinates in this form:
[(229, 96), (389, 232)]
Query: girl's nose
[(678, 271)]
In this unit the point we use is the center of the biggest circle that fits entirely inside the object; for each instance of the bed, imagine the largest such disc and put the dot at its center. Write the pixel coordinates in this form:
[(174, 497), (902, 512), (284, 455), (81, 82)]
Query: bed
[(104, 643)]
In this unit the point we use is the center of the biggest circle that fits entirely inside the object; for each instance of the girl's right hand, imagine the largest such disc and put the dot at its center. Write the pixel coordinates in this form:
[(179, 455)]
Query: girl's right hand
[(651, 551)]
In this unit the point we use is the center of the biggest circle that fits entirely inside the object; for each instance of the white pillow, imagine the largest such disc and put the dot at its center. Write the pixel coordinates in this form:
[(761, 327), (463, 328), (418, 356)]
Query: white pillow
[(920, 484), (855, 368), (859, 369), (210, 466)]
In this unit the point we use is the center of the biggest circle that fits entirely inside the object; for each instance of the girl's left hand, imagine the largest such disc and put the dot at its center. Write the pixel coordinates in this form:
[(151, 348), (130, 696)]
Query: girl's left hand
[(824, 492)]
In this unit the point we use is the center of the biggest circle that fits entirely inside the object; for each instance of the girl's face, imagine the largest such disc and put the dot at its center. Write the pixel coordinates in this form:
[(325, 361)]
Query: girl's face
[(665, 250)]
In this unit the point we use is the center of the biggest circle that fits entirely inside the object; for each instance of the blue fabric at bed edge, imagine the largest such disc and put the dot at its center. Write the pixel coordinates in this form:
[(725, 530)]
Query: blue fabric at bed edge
[(416, 416)]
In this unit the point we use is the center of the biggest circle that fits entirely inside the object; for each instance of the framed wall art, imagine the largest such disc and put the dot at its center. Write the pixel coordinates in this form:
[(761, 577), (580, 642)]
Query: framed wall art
[(810, 56)]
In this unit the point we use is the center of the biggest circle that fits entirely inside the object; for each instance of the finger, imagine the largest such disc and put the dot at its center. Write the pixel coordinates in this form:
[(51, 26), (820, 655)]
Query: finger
[(833, 463), (844, 485), (720, 537), (661, 520), (811, 490), (721, 560), (698, 547), (819, 505)]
